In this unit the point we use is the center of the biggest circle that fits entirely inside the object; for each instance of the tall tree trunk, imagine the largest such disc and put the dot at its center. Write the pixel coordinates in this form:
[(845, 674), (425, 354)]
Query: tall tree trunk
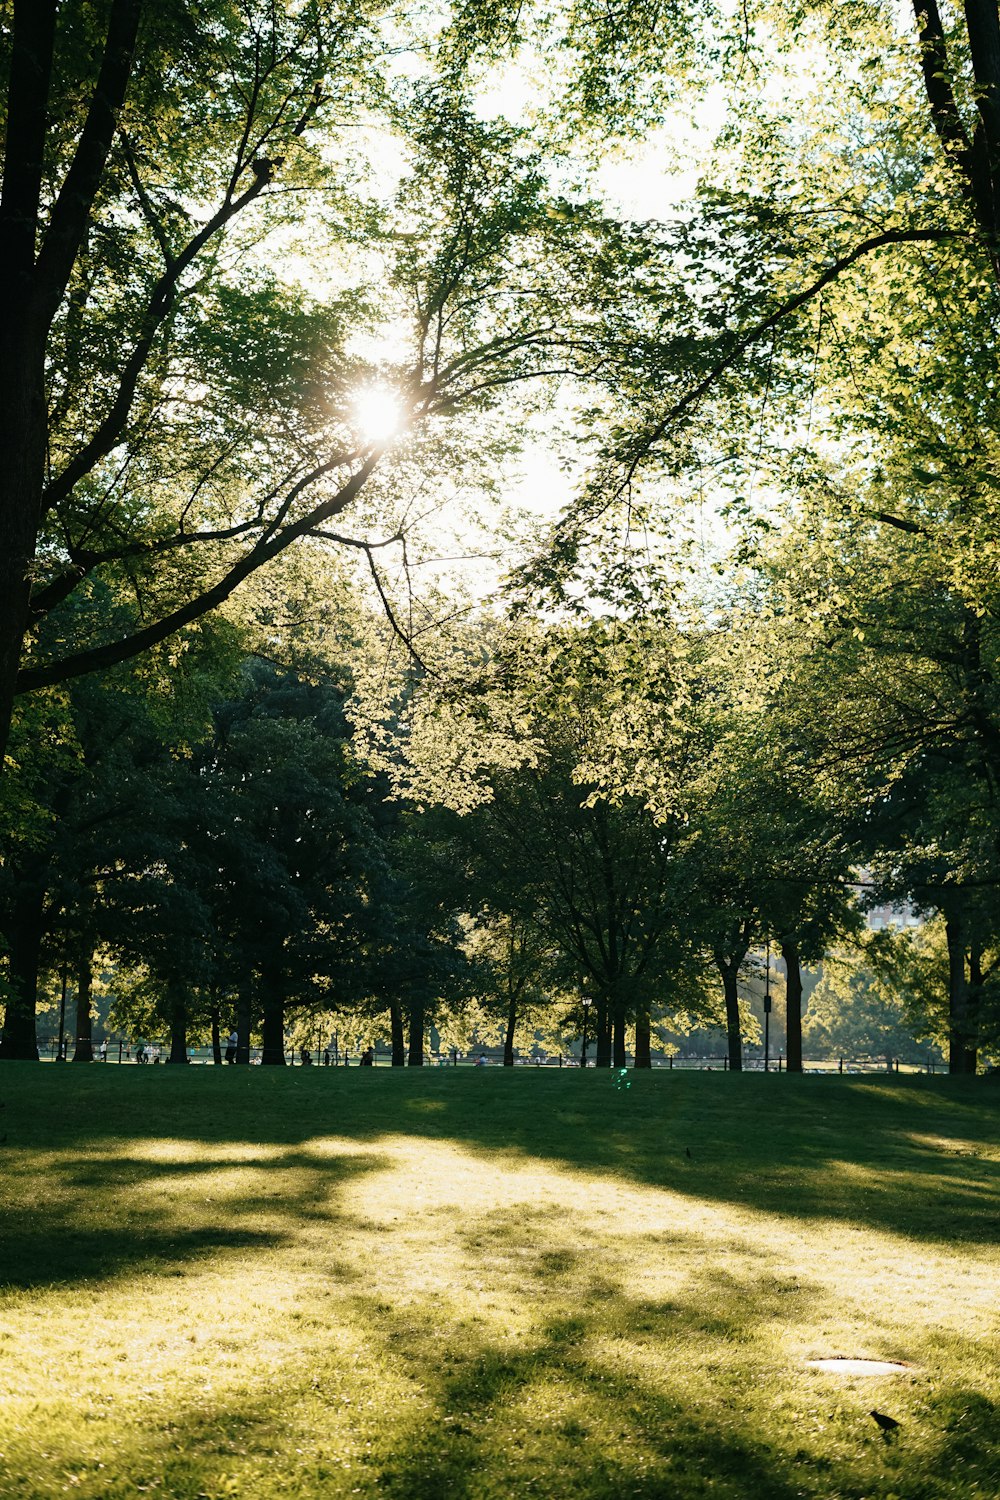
[(619, 1057), (24, 323), (244, 1012), (397, 1034), (729, 961), (508, 1041), (415, 1016), (216, 1038), (729, 968), (84, 1011), (961, 1036), (793, 1006), (272, 991), (177, 1016), (18, 1041), (602, 1049), (734, 1031), (23, 440), (984, 158), (63, 986), (977, 979), (35, 268), (643, 1040)]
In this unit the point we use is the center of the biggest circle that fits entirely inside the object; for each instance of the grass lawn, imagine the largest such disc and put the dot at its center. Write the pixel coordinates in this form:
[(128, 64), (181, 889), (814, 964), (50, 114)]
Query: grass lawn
[(478, 1283)]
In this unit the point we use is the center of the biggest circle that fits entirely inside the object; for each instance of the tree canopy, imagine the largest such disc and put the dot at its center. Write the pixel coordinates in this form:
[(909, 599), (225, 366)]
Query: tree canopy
[(280, 286)]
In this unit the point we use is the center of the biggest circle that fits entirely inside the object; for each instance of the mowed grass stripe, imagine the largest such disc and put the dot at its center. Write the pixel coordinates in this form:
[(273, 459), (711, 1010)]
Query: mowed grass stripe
[(484, 1283)]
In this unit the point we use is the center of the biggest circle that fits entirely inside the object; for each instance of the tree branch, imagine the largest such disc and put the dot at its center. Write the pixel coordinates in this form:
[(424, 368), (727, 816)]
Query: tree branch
[(760, 331), (27, 120), (71, 211), (99, 657), (145, 203), (160, 303), (390, 613), (901, 523), (84, 561), (937, 85)]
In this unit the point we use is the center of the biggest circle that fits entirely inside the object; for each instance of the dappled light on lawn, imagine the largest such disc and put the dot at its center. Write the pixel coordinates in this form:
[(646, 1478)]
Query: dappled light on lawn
[(420, 1286)]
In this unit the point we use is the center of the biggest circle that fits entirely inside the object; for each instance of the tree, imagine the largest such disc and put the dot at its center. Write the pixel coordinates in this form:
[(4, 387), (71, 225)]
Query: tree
[(515, 969), (107, 135), (88, 790), (417, 957), (903, 666), (559, 842), (278, 836), (775, 848), (854, 1013), (179, 415)]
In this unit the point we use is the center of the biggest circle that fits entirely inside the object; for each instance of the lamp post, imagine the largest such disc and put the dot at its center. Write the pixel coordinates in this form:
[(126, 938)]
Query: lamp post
[(61, 1050), (586, 1003), (767, 1006)]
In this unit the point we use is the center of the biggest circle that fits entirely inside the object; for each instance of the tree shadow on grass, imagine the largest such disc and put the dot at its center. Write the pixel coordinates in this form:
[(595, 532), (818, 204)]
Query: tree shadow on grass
[(614, 1432), (551, 1417), (614, 1390), (556, 1415), (90, 1217), (914, 1157)]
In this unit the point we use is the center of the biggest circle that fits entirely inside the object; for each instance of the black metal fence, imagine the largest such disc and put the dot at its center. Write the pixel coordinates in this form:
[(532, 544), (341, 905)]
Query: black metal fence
[(121, 1051)]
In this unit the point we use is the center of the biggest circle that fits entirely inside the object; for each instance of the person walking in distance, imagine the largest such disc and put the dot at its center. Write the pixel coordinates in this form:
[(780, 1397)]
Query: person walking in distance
[(232, 1042)]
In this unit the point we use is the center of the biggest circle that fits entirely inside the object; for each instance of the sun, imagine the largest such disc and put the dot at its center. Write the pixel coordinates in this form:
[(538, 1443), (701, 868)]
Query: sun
[(378, 413)]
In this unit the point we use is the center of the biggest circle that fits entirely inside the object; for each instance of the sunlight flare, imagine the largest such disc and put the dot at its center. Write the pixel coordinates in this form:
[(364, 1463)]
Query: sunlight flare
[(378, 413)]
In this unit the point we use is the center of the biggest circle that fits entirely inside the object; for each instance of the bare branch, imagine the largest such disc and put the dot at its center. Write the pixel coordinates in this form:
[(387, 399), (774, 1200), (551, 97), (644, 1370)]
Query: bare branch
[(145, 203), (390, 614)]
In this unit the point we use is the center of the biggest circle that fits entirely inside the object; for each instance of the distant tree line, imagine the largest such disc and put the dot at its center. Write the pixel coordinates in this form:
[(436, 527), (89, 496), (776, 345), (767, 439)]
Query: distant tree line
[(221, 840)]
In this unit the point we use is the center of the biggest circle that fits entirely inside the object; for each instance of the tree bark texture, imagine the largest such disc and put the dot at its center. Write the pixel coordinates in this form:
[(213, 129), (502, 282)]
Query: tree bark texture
[(983, 27), (63, 986), (23, 420), (602, 1049), (508, 1041), (36, 261), (619, 1057), (961, 1025), (977, 980), (177, 1014), (244, 1011), (22, 446), (729, 968), (273, 1027)]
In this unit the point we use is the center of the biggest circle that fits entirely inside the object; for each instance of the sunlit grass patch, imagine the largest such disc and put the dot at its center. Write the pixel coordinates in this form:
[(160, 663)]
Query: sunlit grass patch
[(957, 1146), (385, 1284)]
